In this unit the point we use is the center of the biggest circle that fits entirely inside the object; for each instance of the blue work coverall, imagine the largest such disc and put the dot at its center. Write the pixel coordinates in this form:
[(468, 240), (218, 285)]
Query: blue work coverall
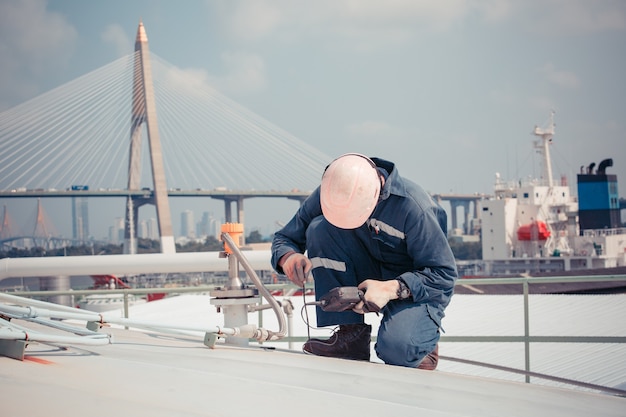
[(405, 237)]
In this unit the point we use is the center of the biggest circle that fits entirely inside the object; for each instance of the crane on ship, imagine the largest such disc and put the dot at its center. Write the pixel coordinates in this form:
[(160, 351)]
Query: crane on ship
[(543, 147), (553, 227)]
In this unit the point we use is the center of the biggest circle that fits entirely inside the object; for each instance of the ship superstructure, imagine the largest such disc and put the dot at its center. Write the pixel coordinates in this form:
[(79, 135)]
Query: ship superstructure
[(538, 226)]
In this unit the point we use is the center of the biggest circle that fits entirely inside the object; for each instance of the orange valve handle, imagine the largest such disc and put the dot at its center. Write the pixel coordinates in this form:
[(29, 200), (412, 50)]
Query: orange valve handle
[(235, 230)]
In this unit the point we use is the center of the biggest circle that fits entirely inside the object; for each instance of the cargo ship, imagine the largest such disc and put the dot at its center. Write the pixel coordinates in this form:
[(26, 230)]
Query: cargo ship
[(538, 227)]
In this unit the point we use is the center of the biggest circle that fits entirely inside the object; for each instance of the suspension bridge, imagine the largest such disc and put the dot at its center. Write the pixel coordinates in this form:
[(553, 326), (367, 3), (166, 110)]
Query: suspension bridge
[(107, 127), (95, 130)]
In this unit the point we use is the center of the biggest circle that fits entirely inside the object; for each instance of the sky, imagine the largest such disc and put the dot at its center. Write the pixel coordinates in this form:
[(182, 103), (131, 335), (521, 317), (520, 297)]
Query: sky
[(450, 91)]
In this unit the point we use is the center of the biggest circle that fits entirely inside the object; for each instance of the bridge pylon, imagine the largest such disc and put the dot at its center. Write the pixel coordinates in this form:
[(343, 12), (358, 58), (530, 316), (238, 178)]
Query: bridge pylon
[(5, 227), (144, 111), (41, 228)]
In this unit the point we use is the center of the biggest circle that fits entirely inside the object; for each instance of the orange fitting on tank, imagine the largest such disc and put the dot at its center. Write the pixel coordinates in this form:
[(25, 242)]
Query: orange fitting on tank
[(235, 230)]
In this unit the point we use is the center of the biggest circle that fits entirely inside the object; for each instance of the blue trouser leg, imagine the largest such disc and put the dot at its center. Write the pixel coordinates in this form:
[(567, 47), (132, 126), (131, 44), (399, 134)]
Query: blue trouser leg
[(408, 332), (340, 258)]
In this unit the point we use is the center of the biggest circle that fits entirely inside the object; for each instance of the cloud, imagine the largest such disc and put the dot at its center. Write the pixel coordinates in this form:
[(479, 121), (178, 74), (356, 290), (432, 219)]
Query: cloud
[(251, 20), (582, 16), (495, 10), (373, 24), (561, 78), (33, 42), (558, 17), (189, 81), (391, 13), (115, 35), (362, 21), (245, 73)]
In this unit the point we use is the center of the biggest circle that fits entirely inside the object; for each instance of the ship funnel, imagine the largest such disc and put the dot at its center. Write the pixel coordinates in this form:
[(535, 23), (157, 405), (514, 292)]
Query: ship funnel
[(603, 166), (590, 168)]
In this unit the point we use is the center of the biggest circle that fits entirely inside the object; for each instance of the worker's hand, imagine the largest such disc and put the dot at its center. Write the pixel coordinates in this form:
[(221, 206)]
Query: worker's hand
[(297, 267), (376, 293)]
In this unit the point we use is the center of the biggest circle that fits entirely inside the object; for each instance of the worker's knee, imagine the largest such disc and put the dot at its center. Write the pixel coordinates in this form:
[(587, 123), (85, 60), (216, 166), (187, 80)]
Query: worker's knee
[(406, 335), (404, 351)]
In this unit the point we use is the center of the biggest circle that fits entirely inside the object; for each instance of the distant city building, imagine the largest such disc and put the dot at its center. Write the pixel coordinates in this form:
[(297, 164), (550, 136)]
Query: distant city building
[(187, 225), (203, 228), (116, 232), (80, 218), (143, 229), (153, 229)]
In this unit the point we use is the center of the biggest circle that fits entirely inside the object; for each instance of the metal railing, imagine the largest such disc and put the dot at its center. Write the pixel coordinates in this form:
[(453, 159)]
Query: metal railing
[(526, 338)]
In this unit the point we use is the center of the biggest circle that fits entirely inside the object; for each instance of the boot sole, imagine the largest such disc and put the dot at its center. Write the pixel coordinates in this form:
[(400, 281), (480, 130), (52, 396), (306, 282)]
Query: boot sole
[(337, 357)]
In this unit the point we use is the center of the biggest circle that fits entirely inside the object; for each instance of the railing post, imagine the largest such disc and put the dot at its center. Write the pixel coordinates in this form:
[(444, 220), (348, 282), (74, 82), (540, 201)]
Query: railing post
[(260, 317), (526, 330), (125, 304), (126, 307)]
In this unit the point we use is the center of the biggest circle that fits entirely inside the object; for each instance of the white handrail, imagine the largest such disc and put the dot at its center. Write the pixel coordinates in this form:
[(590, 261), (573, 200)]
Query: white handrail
[(126, 264)]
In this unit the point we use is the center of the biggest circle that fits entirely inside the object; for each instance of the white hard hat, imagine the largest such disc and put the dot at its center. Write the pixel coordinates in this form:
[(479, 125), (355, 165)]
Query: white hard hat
[(349, 190)]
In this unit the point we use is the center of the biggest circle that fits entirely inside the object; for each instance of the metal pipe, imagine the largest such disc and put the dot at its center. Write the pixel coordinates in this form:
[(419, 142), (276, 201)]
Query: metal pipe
[(126, 264), (236, 312), (8, 334), (25, 313), (38, 303), (32, 312), (288, 309), (262, 334)]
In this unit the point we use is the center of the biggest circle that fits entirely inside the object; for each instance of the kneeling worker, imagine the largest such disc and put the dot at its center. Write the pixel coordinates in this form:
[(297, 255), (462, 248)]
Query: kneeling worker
[(366, 226)]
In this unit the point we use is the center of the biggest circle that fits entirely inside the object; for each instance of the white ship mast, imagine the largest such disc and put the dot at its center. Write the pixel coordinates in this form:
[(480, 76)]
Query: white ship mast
[(543, 146)]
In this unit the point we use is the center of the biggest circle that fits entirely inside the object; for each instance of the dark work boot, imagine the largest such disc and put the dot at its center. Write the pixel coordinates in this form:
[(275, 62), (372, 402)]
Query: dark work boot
[(430, 361), (351, 341)]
